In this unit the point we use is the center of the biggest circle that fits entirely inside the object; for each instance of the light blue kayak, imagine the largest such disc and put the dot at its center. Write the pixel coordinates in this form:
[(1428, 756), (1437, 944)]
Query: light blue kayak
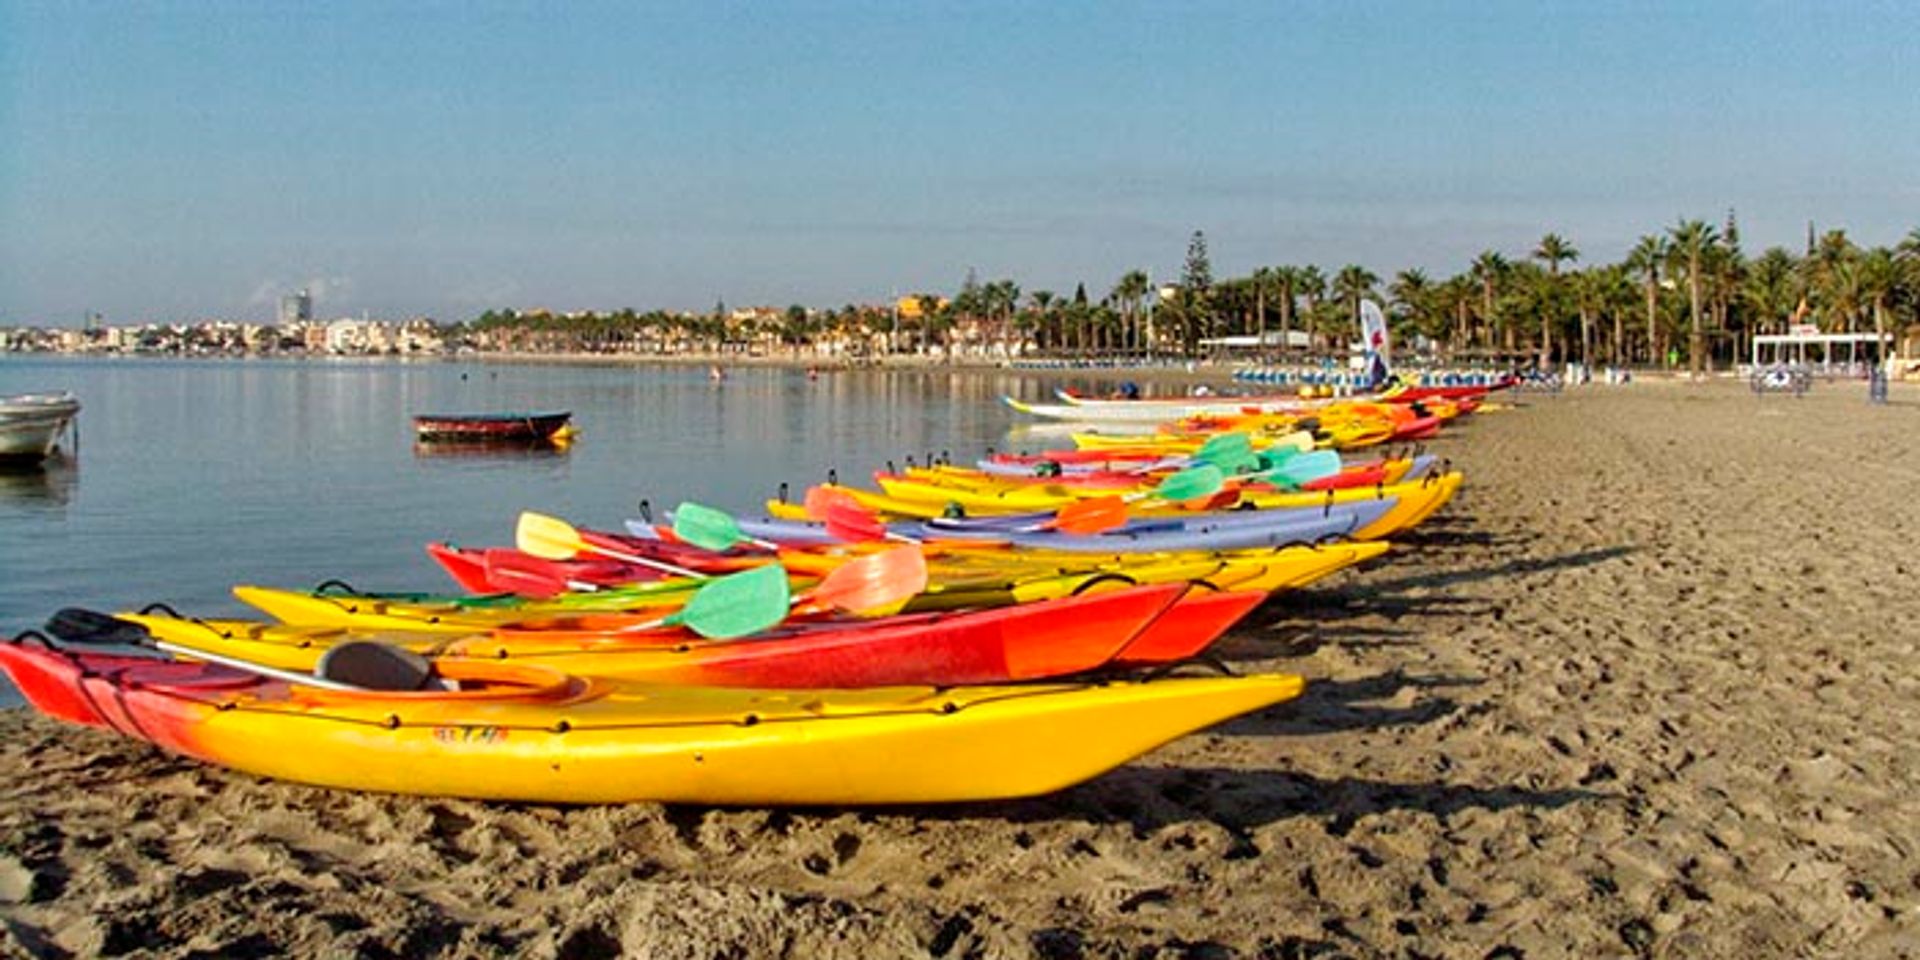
[(1217, 530)]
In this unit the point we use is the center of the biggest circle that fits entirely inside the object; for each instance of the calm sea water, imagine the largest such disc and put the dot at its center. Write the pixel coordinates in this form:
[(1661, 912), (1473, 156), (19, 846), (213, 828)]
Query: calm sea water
[(191, 476)]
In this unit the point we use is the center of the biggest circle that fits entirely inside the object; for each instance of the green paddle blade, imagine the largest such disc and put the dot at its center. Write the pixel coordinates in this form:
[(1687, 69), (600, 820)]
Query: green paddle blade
[(705, 527), (1192, 483), (1225, 450), (1271, 458), (738, 604), (1305, 468)]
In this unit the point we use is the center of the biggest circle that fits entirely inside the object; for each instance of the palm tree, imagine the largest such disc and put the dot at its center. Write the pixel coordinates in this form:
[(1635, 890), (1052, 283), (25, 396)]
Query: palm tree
[(1312, 286), (1691, 239), (1262, 282), (930, 319), (1616, 297), (1879, 278), (1287, 281), (1646, 258), (1590, 298), (1412, 293), (1554, 250), (1455, 298), (1352, 284), (1489, 268), (1045, 334), (1845, 293), (1129, 292), (1771, 288)]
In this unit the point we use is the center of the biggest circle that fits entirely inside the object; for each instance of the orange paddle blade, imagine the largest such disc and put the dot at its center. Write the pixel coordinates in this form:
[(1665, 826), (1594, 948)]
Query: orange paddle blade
[(821, 499), (875, 580), (1094, 515)]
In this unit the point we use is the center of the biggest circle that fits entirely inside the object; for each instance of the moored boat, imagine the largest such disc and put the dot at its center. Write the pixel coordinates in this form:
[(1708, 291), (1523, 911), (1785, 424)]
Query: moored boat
[(547, 427), (31, 423)]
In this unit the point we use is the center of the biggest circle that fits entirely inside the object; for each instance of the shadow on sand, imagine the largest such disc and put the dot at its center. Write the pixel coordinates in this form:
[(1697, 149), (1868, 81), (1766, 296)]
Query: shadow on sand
[(1319, 611), (1333, 706), (1518, 567), (1152, 798)]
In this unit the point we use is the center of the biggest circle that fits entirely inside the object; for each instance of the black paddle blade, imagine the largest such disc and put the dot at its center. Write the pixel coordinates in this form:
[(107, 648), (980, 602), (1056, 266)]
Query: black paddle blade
[(372, 665), (75, 625)]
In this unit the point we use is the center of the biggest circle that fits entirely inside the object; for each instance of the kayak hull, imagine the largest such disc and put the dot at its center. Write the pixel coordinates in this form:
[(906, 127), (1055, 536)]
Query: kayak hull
[(530, 736)]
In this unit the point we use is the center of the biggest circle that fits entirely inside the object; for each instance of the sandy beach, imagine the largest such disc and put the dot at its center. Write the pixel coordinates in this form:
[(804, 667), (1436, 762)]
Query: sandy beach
[(1647, 688)]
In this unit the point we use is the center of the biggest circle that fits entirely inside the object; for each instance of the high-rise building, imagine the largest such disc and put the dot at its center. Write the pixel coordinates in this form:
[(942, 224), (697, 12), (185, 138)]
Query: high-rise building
[(296, 308)]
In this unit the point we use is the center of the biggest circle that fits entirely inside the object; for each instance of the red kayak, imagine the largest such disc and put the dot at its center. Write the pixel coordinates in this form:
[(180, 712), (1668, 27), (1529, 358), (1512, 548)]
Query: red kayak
[(506, 570), (1136, 625)]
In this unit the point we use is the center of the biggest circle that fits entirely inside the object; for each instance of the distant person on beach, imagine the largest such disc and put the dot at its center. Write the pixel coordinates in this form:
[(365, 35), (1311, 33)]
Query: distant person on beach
[(716, 374), (1129, 390)]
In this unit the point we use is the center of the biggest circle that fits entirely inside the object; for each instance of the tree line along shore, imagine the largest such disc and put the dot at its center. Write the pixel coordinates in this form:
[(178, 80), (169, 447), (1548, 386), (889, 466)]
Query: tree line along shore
[(1688, 295)]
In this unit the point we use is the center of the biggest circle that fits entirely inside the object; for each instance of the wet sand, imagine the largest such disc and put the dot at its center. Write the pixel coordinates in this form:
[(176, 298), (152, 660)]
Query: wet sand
[(1649, 687)]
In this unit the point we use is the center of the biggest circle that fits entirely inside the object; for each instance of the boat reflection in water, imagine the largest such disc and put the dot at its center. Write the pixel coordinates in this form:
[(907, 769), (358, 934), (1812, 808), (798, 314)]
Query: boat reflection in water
[(48, 482), (490, 450)]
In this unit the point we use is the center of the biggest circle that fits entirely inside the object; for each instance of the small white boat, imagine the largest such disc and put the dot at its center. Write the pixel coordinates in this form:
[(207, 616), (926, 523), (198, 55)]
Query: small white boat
[(31, 423)]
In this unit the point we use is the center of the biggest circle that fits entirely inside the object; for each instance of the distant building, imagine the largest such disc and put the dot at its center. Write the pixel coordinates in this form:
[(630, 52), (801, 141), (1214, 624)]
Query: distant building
[(909, 305), (296, 308)]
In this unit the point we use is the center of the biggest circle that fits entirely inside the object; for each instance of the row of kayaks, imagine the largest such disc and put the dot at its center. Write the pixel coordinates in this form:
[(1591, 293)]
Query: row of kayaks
[(1401, 403), (952, 633)]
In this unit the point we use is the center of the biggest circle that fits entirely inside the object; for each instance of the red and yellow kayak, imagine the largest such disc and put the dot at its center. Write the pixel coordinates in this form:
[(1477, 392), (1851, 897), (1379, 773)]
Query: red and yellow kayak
[(522, 733)]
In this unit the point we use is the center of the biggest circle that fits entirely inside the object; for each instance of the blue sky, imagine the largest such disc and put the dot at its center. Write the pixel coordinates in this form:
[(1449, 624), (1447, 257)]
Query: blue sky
[(176, 160)]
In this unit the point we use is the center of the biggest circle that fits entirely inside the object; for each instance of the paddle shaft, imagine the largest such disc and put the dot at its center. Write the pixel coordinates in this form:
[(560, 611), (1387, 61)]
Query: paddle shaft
[(290, 676), (660, 565)]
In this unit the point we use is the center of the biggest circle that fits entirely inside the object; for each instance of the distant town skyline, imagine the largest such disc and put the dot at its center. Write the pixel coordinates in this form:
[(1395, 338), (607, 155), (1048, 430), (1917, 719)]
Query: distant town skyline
[(182, 160)]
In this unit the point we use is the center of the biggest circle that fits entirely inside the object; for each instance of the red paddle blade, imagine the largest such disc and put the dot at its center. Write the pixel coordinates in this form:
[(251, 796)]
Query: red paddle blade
[(875, 580), (821, 500), (1095, 515), (853, 523), (522, 574)]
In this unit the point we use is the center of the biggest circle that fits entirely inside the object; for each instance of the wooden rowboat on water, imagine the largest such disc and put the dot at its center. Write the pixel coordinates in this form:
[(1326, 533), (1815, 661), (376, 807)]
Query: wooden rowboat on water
[(494, 427)]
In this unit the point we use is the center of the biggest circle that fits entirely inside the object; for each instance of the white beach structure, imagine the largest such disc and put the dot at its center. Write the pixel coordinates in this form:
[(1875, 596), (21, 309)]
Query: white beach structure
[(1829, 353)]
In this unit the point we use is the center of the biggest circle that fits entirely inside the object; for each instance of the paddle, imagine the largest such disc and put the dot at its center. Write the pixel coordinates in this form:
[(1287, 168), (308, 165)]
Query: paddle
[(875, 580), (552, 538), (1301, 468), (1099, 514), (735, 605), (820, 500), (711, 529), (87, 627), (529, 576), (856, 524), (1231, 452), (1228, 451)]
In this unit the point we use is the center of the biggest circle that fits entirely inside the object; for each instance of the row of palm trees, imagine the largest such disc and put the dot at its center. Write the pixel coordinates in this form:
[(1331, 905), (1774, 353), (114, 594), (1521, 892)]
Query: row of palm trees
[(1688, 290)]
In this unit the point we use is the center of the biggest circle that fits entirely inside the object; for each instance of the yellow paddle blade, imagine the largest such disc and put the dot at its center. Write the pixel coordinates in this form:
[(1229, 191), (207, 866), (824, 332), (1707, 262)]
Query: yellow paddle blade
[(549, 538)]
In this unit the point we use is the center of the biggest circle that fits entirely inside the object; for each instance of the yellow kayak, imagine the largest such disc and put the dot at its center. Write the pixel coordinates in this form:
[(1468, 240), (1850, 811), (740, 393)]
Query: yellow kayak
[(526, 734)]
